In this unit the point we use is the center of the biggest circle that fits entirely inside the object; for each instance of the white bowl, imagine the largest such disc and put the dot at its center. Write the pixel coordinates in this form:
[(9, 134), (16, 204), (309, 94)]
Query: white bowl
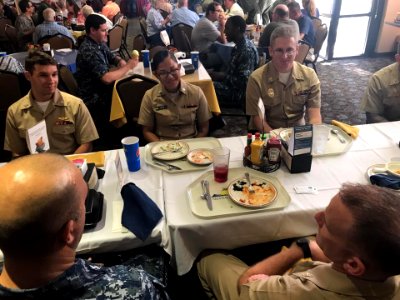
[(393, 168)]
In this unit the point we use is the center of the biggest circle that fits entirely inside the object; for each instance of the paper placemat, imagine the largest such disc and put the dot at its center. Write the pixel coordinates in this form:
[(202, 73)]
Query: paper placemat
[(197, 143), (223, 206)]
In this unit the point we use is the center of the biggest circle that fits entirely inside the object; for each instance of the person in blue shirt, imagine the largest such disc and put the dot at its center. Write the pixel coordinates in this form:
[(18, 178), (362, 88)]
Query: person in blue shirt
[(306, 27), (50, 27), (183, 14)]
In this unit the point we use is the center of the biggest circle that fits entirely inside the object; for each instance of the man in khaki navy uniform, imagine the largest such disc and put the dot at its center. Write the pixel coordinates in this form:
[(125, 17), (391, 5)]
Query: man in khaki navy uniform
[(356, 255), (381, 101), (285, 87), (173, 109), (70, 128)]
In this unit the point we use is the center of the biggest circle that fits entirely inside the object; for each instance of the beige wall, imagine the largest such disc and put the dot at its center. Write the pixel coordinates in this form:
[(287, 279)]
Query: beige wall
[(388, 33)]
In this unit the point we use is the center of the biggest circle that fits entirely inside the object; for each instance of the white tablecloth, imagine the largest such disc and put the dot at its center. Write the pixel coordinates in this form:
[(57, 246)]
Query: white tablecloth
[(188, 235), (109, 235)]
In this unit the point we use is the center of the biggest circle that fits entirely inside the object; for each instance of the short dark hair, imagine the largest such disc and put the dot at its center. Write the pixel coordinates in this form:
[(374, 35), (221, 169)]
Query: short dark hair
[(238, 22), (93, 21), (37, 57), (24, 5), (160, 56), (376, 229), (294, 6), (211, 7)]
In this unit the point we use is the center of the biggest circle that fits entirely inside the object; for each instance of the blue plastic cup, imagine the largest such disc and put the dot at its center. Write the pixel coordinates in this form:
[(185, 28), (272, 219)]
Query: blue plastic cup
[(195, 59), (3, 54), (146, 58), (132, 152)]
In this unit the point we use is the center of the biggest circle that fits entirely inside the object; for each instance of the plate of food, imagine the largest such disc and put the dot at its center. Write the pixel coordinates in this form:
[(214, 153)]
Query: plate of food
[(264, 194), (393, 168), (170, 150), (200, 156)]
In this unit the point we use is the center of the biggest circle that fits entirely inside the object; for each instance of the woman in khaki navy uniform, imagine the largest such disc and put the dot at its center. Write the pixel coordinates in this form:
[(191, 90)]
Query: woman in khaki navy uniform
[(173, 109), (285, 87)]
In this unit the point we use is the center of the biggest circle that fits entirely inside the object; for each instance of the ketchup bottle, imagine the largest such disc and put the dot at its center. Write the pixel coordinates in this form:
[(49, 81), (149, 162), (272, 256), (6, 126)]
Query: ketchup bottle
[(274, 150)]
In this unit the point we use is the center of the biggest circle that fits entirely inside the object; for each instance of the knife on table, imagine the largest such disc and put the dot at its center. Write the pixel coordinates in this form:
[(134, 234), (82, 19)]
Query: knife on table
[(169, 166), (207, 194)]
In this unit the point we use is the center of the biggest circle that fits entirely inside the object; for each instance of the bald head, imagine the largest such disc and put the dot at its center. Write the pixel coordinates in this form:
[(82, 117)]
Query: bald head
[(40, 193), (49, 15), (281, 12)]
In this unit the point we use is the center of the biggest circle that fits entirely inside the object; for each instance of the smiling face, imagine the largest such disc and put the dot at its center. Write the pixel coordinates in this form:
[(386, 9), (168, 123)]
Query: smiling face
[(44, 81), (168, 72), (283, 51)]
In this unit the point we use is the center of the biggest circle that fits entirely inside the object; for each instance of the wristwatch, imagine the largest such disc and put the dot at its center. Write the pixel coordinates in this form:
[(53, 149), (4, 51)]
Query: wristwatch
[(304, 244)]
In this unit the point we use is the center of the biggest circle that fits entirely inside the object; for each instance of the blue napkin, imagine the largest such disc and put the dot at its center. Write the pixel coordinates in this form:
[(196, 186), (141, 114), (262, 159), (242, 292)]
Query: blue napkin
[(140, 214), (386, 180)]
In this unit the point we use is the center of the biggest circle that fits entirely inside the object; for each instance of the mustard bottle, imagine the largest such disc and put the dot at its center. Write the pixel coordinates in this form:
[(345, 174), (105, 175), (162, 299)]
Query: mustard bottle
[(257, 147)]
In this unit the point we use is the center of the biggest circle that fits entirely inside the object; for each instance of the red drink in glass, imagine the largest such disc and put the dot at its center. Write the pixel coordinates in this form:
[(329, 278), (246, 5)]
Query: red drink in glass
[(221, 173)]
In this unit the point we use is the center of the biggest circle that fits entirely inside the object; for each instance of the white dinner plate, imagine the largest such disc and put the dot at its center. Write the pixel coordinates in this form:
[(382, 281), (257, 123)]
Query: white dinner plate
[(200, 156), (170, 150), (264, 195)]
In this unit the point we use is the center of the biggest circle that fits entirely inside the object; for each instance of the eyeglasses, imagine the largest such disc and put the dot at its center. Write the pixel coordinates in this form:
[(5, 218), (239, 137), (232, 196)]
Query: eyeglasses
[(164, 74), (282, 52)]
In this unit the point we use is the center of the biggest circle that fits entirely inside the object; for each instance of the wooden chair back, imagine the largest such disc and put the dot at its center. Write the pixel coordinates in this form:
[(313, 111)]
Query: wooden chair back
[(57, 41)]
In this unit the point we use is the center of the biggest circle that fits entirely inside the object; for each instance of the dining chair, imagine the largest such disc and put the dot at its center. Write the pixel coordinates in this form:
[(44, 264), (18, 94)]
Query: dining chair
[(182, 33), (316, 23), (67, 82), (12, 37), (131, 91), (116, 18), (139, 44), (3, 22), (57, 41), (302, 53), (115, 36), (320, 36), (123, 22), (13, 86), (143, 28)]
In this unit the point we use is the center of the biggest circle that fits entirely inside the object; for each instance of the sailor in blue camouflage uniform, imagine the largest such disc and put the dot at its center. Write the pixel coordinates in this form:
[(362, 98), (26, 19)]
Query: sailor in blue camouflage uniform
[(40, 230), (94, 75), (230, 86)]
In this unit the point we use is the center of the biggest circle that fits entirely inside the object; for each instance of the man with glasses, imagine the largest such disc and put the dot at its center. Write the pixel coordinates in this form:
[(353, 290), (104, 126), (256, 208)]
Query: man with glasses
[(205, 33), (173, 109), (287, 89)]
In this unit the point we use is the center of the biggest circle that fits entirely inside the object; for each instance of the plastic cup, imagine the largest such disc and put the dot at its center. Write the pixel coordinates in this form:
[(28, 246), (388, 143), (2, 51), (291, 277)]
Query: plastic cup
[(146, 58), (132, 152), (320, 138), (3, 53), (195, 59), (221, 164)]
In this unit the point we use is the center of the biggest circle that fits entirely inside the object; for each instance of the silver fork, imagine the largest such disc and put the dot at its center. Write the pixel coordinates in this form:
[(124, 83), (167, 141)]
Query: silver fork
[(251, 190)]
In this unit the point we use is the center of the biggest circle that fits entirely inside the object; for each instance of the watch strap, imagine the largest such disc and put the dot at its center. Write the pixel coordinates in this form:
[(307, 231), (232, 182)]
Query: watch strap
[(304, 244)]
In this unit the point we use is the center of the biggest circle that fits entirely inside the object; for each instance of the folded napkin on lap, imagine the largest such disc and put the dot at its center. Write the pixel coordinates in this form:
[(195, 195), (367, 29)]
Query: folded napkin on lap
[(140, 214), (350, 130), (386, 180)]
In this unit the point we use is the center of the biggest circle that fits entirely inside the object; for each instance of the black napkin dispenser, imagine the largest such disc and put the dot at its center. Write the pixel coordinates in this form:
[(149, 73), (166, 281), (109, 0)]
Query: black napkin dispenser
[(188, 67), (94, 208), (298, 163)]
